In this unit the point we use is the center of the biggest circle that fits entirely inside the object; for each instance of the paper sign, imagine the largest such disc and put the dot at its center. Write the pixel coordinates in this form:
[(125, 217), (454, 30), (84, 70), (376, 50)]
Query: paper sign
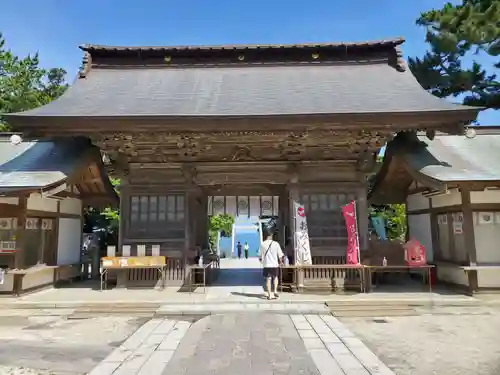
[(302, 245)]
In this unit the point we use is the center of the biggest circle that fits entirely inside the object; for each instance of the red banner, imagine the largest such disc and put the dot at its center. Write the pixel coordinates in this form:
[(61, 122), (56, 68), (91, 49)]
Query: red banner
[(349, 212)]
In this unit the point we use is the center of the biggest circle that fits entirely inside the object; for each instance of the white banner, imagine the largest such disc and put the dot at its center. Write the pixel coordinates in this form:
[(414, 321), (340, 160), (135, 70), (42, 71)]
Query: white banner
[(301, 237)]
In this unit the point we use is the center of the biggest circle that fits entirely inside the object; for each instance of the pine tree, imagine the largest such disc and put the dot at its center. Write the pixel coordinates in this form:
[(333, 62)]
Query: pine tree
[(454, 33), (24, 85)]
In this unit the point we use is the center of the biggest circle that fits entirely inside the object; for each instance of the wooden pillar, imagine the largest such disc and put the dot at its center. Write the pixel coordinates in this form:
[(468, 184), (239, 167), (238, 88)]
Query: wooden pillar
[(124, 212), (283, 220), (434, 232), (294, 196), (362, 215), (200, 216), (187, 225), (20, 232), (203, 225), (469, 237)]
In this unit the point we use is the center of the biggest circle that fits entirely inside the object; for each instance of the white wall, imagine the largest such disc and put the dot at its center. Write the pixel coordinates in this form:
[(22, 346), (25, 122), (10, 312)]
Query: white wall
[(39, 203), (71, 206), (488, 196), (70, 233), (417, 202), (452, 274), (419, 227), (9, 200), (487, 237), (454, 197)]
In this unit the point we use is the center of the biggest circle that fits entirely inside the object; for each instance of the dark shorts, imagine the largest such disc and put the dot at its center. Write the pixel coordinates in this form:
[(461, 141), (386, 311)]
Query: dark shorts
[(271, 271)]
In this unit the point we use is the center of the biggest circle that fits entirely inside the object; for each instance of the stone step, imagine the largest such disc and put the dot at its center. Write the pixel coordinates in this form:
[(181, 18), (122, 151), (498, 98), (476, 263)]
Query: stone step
[(374, 313), (272, 307), (370, 307), (203, 309)]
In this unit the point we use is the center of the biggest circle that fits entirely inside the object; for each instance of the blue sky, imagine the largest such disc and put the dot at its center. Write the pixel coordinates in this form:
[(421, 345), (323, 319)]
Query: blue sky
[(55, 28)]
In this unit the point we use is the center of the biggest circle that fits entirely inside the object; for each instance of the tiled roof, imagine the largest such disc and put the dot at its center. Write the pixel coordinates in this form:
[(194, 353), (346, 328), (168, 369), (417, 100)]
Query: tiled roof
[(38, 164), (244, 80), (450, 158), (245, 91)]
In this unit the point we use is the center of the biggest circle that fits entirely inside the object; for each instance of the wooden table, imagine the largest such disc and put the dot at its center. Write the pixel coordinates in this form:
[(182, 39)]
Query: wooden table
[(192, 275), (397, 269), (105, 269)]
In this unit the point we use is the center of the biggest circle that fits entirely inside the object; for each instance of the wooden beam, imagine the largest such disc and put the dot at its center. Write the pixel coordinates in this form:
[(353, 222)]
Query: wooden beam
[(488, 207), (21, 232), (362, 214), (470, 241), (124, 211), (434, 232)]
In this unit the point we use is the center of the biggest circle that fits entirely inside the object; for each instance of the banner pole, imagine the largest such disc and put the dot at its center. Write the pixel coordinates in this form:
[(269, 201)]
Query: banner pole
[(358, 256), (294, 233)]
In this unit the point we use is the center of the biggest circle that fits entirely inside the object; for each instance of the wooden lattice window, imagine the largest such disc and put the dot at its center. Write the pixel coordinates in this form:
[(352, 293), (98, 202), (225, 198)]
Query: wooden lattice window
[(153, 216), (325, 222)]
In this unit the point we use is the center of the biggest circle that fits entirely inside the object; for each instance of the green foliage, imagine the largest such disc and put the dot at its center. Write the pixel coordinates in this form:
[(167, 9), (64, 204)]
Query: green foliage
[(221, 222), (455, 33), (107, 220), (24, 85), (395, 218)]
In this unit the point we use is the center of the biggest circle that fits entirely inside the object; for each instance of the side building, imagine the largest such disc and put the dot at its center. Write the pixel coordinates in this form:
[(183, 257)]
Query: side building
[(44, 187), (451, 187)]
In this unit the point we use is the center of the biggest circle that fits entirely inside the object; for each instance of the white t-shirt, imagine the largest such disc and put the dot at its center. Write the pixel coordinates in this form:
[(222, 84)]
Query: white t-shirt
[(270, 257)]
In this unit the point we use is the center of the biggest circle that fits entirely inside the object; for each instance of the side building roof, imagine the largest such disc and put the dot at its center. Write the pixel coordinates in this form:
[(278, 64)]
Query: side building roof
[(243, 81), (42, 165), (447, 159)]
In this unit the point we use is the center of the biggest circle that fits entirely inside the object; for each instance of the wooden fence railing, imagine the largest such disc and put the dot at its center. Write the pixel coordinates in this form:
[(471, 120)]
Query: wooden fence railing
[(325, 274)]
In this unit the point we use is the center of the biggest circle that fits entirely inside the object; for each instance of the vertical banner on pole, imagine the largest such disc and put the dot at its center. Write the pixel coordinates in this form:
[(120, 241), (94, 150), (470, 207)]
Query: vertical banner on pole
[(351, 222), (301, 235)]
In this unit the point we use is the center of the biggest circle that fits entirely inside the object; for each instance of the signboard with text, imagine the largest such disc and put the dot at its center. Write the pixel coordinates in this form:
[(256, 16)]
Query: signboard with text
[(301, 236)]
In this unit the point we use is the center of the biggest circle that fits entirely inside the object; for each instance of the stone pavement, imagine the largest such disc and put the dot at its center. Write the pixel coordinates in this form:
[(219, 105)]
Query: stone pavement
[(240, 281), (264, 344)]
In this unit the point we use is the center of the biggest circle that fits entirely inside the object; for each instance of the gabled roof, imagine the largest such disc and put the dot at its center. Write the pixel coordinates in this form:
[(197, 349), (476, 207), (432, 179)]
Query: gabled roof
[(251, 80), (41, 165), (446, 159)]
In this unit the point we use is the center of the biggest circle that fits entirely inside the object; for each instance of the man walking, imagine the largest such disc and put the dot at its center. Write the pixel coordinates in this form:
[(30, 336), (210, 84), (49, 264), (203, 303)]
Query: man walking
[(238, 247), (271, 256), (245, 248)]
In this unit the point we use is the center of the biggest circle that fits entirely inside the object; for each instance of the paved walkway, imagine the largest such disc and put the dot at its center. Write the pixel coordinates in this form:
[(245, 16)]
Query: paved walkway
[(263, 344), (240, 282)]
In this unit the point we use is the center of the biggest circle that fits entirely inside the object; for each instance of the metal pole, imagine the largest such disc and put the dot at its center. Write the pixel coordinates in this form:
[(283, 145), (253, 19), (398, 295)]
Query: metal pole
[(357, 231)]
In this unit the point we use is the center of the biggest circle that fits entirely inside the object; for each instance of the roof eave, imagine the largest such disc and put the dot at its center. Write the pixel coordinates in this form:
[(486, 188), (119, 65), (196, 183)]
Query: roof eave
[(393, 42), (473, 111)]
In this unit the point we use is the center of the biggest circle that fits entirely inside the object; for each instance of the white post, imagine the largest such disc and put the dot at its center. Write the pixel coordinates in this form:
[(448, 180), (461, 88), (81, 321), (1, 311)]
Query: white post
[(261, 232), (232, 239), (217, 246)]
